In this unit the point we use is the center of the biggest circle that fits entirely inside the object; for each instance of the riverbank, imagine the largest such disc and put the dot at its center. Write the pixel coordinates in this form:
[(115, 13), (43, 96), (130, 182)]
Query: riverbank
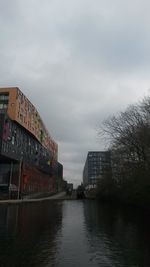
[(60, 195), (119, 199)]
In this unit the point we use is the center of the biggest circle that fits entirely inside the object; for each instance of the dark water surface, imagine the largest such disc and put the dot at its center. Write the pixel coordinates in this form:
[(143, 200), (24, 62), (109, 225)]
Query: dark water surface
[(73, 234)]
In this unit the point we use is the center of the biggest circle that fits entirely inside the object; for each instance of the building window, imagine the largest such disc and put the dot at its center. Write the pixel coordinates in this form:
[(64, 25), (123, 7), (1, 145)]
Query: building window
[(4, 96), (3, 106)]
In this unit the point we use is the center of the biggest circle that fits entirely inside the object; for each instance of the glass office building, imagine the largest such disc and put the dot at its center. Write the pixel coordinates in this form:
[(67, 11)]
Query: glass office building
[(97, 165)]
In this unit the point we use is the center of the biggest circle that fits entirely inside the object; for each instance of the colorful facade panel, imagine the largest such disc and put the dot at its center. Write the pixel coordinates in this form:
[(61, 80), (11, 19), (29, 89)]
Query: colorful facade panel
[(21, 110)]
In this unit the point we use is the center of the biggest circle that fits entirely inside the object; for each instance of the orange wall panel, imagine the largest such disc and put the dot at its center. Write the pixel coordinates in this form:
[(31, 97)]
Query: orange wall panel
[(23, 111), (12, 100)]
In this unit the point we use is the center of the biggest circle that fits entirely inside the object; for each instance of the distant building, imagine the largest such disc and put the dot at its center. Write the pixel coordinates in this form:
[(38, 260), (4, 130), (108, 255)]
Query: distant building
[(97, 165), (59, 180), (70, 186)]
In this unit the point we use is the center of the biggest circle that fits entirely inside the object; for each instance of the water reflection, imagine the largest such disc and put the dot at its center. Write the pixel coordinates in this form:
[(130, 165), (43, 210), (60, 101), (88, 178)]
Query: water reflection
[(73, 246), (73, 234), (117, 236), (28, 234)]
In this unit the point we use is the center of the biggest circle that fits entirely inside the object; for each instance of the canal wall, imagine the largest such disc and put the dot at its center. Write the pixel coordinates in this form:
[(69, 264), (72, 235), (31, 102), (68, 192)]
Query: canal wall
[(30, 200)]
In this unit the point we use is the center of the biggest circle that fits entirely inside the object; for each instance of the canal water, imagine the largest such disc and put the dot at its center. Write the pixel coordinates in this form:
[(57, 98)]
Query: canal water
[(73, 234)]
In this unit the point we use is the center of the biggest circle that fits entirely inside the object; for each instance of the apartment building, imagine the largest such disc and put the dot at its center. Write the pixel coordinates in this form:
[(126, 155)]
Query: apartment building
[(28, 153), (97, 165)]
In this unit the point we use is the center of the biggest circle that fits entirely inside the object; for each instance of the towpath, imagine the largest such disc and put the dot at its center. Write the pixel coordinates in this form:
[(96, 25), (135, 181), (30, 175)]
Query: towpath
[(60, 195)]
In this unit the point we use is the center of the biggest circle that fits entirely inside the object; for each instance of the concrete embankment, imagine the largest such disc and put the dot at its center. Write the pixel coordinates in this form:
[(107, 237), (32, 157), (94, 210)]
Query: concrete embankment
[(60, 195)]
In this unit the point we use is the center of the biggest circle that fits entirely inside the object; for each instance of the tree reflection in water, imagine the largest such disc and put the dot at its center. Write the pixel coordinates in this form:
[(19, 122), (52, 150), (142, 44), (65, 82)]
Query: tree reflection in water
[(117, 235)]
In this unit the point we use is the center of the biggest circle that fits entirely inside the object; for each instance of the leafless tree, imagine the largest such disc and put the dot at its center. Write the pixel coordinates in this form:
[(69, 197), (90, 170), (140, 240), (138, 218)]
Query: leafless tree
[(129, 134)]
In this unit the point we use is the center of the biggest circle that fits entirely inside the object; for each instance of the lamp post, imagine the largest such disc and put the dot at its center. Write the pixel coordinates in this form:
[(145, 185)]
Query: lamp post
[(11, 172), (19, 178)]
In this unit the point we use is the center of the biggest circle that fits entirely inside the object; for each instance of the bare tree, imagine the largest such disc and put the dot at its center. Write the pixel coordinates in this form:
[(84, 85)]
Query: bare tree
[(129, 134)]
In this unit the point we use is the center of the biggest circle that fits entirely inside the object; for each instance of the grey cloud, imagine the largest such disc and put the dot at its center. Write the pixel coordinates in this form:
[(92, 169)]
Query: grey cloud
[(113, 46), (78, 63)]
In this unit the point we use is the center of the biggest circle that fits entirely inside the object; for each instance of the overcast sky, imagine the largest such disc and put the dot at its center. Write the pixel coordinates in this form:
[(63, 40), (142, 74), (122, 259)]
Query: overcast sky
[(78, 61)]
